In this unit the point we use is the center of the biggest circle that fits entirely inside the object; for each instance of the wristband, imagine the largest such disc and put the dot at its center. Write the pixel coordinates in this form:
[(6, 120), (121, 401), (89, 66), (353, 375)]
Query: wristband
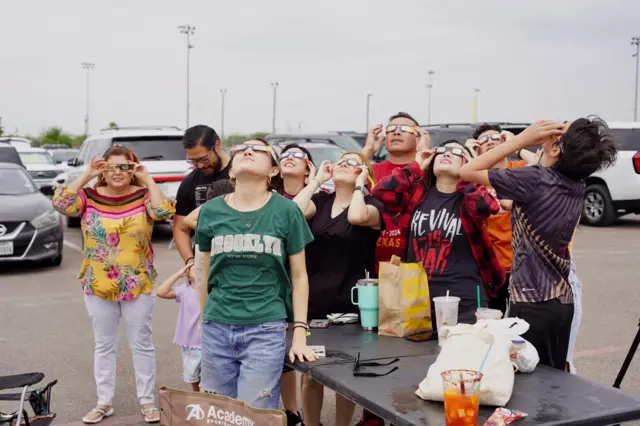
[(301, 323), (306, 329), (189, 259)]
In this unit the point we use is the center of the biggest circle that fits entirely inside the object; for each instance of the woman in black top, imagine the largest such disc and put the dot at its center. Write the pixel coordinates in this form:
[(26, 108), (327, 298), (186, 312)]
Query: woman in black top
[(345, 226)]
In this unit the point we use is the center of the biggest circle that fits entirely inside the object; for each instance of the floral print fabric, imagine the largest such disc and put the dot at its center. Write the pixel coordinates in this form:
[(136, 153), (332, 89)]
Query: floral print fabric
[(118, 255)]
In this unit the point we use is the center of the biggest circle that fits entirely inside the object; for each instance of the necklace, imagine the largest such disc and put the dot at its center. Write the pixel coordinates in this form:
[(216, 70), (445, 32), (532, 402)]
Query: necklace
[(246, 220)]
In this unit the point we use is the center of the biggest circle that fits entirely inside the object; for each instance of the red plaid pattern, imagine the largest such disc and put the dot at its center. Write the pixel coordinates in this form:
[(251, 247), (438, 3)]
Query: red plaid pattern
[(404, 190)]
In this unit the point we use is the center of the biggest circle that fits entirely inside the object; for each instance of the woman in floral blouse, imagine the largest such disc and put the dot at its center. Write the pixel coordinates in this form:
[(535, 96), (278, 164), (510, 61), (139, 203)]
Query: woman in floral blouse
[(117, 272)]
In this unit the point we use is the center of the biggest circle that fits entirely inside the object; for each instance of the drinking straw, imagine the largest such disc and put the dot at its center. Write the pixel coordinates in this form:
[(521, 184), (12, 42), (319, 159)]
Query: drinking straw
[(366, 274), (484, 360), (478, 294), (447, 294), (461, 384)]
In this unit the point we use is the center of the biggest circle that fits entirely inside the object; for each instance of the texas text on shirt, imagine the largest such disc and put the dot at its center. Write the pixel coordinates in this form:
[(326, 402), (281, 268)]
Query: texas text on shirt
[(546, 209)]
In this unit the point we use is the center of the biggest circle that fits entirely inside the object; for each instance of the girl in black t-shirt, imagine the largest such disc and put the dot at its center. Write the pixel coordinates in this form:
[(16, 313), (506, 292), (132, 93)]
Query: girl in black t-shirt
[(345, 227), (296, 169)]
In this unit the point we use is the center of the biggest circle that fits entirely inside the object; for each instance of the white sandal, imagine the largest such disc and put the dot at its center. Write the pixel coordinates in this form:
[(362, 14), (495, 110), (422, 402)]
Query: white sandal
[(151, 414), (87, 420)]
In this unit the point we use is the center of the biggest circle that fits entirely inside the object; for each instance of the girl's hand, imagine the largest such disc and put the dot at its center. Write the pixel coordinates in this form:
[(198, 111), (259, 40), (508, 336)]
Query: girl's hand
[(325, 172), (425, 140), (361, 180), (184, 271), (312, 171), (140, 171), (474, 146), (300, 351), (424, 158)]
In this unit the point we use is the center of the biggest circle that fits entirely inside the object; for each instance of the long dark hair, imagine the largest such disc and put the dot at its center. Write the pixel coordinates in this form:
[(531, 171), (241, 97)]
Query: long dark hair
[(275, 183), (429, 175)]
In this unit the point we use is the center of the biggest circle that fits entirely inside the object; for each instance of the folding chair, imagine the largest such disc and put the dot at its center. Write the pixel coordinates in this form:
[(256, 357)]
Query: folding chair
[(39, 399)]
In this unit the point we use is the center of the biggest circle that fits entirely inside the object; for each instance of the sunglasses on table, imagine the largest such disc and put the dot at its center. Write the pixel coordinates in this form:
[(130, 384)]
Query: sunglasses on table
[(494, 137), (294, 154), (121, 167), (357, 365), (402, 127), (458, 152)]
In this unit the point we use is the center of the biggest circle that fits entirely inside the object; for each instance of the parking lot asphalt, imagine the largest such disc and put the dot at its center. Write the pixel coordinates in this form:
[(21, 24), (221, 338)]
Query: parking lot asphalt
[(44, 325)]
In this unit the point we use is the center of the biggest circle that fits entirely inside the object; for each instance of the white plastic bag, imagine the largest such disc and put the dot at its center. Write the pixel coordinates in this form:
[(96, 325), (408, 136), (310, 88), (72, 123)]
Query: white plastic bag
[(525, 357), (463, 348)]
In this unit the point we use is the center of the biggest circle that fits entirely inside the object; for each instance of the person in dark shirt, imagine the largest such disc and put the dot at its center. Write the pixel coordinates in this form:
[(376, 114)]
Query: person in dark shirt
[(447, 230), (345, 227), (547, 202), (204, 152)]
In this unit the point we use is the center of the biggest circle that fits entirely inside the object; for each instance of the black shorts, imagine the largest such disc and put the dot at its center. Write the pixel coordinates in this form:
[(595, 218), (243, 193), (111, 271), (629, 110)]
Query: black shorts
[(549, 329)]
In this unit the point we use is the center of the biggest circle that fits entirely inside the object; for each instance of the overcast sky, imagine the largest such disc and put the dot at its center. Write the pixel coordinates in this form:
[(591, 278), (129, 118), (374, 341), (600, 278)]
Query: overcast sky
[(531, 59)]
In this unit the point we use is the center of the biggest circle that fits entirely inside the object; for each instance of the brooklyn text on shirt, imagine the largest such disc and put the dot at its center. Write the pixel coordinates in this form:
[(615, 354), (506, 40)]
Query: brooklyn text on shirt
[(246, 243)]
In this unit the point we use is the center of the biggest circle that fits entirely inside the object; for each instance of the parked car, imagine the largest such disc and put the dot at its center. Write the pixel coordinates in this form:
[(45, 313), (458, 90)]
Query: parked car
[(17, 142), (30, 229), (9, 154), (158, 147), (41, 166), (343, 141), (615, 191), (53, 146), (319, 152), (63, 155)]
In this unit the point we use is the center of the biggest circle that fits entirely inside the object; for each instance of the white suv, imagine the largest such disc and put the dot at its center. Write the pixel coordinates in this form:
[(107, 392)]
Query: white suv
[(159, 149), (616, 191)]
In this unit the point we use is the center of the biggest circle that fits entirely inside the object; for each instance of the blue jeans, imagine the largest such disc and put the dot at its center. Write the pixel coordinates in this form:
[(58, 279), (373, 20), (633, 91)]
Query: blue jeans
[(244, 362)]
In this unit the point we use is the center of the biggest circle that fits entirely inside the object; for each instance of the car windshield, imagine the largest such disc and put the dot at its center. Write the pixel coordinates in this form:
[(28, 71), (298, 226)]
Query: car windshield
[(15, 182), (155, 148), (36, 158), (63, 155)]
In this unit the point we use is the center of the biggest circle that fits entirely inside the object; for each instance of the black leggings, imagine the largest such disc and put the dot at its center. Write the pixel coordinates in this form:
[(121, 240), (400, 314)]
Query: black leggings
[(549, 329)]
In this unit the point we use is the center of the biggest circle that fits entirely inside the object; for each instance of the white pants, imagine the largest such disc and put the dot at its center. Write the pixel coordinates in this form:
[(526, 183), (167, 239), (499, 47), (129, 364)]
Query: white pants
[(136, 314), (576, 288)]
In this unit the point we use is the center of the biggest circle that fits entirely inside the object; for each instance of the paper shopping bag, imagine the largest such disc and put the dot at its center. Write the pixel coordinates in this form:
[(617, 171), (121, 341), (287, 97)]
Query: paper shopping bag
[(405, 307), (180, 408)]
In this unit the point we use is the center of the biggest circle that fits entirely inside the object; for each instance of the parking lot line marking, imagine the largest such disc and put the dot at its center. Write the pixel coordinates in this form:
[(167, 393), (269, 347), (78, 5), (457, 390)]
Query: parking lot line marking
[(73, 246), (600, 351)]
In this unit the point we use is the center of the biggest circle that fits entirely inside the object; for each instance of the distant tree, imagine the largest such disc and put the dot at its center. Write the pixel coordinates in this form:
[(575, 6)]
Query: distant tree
[(77, 140), (233, 140), (112, 125), (55, 135)]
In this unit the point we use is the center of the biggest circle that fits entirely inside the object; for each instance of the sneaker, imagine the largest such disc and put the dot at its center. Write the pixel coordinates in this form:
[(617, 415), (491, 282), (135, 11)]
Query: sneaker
[(370, 419), (294, 419)]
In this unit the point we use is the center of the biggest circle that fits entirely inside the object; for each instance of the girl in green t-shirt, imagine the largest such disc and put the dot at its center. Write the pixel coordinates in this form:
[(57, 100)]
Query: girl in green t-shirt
[(253, 242)]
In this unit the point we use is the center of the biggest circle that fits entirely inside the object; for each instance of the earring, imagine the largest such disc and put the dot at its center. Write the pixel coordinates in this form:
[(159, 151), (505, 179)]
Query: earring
[(102, 178)]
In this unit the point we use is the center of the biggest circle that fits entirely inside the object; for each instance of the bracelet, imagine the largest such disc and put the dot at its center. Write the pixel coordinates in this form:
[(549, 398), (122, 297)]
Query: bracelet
[(301, 326), (189, 259), (301, 323)]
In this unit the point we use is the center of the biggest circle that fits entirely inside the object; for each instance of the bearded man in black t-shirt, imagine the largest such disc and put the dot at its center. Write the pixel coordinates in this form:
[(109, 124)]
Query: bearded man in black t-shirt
[(204, 152)]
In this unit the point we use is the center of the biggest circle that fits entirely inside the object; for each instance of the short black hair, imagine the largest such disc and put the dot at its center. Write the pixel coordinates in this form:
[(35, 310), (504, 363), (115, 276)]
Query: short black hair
[(219, 187), (200, 135), (301, 148), (485, 127), (586, 147), (403, 115)]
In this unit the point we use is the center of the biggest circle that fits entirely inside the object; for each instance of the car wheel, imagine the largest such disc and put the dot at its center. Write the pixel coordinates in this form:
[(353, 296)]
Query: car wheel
[(598, 209), (73, 222)]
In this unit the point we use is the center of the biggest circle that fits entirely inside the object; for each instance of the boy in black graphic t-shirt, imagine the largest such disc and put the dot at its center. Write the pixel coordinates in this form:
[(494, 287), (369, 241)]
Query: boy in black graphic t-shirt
[(204, 152)]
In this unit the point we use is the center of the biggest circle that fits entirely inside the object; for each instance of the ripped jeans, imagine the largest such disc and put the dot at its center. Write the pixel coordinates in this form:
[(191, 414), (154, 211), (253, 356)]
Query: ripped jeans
[(244, 362)]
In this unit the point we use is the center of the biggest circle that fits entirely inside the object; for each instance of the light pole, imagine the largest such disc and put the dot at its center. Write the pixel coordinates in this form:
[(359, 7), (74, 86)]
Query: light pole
[(475, 105), (222, 93), (88, 66), (188, 30), (369, 95), (636, 42), (273, 119), (429, 87)]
